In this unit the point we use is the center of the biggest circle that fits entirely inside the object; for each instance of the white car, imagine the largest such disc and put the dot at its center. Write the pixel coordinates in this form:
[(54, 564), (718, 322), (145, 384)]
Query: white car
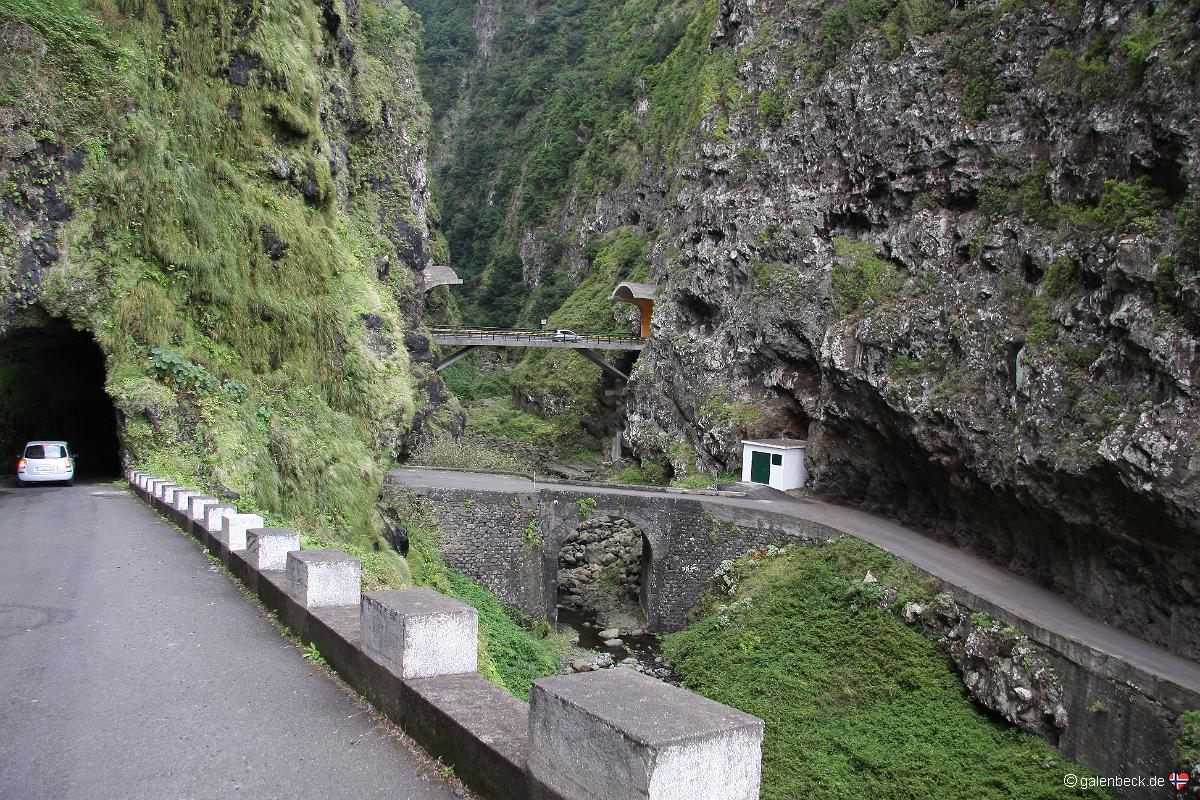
[(563, 335), (41, 462)]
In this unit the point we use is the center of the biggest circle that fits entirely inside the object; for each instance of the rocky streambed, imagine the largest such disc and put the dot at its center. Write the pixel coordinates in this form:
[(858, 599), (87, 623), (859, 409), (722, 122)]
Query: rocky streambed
[(635, 648), (600, 565), (599, 585)]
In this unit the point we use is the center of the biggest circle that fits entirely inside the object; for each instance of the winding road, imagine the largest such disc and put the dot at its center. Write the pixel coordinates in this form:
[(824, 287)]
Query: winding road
[(1019, 596), (131, 667)]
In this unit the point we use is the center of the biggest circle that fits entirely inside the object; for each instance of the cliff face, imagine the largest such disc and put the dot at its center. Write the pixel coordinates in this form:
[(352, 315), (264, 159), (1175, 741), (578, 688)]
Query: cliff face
[(954, 247), (231, 200), (964, 267)]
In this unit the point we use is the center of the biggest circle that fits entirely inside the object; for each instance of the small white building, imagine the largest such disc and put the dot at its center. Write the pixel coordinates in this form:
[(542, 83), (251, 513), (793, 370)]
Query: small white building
[(779, 463)]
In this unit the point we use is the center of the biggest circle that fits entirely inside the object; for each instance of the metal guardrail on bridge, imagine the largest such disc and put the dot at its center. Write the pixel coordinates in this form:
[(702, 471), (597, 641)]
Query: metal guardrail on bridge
[(530, 338), (583, 343)]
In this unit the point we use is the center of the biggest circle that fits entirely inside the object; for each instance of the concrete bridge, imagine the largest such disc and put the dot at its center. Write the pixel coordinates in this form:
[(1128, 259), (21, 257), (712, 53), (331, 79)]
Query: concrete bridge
[(468, 339), (640, 295), (506, 532)]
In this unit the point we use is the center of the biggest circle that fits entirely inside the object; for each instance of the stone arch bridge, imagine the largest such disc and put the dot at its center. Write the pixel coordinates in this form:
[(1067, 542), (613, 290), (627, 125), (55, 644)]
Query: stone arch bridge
[(506, 533)]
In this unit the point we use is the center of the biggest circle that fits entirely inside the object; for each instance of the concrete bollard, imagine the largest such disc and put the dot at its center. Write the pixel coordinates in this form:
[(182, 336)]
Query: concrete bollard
[(268, 548), (166, 499), (152, 488), (178, 510), (616, 734), (169, 493), (214, 517), (197, 505), (323, 578), (182, 497), (418, 633), (234, 527)]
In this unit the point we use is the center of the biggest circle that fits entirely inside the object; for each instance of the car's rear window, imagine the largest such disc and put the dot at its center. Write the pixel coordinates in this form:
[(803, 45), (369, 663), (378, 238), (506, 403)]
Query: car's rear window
[(45, 451)]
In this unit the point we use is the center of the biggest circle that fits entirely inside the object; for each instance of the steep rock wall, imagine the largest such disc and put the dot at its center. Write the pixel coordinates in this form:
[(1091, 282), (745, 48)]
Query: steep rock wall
[(983, 317), (232, 200), (953, 245)]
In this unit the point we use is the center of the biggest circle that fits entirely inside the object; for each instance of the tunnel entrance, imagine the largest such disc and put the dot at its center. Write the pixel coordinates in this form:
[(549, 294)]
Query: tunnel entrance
[(52, 387)]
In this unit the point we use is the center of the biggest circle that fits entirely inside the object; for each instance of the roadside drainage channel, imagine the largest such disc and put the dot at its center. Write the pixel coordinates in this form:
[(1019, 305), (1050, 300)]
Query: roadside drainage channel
[(412, 654)]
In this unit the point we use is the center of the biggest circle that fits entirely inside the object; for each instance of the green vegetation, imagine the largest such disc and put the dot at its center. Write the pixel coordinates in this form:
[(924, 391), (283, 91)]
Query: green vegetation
[(229, 302), (617, 256), (499, 419), (466, 453), (692, 482), (1123, 207), (469, 383), (774, 279), (857, 704), (313, 655), (860, 278), (649, 472), (533, 534), (542, 116), (586, 506), (718, 411), (1187, 745)]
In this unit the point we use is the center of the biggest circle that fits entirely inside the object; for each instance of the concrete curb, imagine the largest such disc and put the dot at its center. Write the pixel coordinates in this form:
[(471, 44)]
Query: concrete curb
[(479, 728), (637, 487)]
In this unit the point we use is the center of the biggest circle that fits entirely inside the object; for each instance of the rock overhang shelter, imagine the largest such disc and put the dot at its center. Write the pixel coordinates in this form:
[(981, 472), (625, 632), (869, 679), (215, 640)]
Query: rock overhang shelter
[(641, 295), (778, 463)]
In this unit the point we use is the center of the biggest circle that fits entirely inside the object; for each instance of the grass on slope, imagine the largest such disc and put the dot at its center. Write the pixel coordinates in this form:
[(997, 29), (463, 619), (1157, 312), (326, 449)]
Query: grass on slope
[(857, 704)]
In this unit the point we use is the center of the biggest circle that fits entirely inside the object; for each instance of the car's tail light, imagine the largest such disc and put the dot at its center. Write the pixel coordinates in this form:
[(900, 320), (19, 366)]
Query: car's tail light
[(20, 463), (67, 463)]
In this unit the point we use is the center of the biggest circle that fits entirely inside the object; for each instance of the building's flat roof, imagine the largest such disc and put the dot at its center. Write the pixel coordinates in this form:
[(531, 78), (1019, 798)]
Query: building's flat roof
[(781, 444)]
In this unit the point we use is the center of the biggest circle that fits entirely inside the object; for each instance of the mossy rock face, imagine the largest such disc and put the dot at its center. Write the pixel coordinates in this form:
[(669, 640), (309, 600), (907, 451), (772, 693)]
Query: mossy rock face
[(214, 193)]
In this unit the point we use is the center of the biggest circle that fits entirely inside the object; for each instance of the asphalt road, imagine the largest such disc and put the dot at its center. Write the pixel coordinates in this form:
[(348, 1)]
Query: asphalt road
[(1016, 594), (131, 668)]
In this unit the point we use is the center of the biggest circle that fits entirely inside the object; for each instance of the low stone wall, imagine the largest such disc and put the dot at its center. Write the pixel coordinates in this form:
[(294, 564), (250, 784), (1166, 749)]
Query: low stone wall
[(412, 654)]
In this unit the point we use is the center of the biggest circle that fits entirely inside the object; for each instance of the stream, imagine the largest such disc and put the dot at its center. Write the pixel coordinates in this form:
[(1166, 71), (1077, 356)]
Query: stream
[(638, 649)]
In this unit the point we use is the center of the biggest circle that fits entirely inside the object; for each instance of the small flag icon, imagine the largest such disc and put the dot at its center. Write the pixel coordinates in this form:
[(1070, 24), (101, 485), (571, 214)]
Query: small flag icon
[(1178, 780)]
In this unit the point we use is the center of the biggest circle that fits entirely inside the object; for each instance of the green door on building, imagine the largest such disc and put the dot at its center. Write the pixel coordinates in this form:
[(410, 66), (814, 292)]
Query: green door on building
[(760, 467)]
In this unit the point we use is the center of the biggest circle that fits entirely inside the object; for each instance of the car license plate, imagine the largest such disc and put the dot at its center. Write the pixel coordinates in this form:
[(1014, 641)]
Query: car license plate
[(45, 469)]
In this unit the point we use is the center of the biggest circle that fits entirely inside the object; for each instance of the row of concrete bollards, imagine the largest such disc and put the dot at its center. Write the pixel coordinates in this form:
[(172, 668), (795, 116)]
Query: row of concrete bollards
[(607, 735)]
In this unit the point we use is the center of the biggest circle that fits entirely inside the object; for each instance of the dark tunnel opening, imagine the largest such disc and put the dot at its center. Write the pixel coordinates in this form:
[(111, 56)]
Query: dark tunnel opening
[(52, 387)]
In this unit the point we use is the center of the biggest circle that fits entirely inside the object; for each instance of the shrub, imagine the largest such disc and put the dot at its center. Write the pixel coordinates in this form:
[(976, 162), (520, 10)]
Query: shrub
[(1124, 207), (773, 106), (469, 383), (860, 277)]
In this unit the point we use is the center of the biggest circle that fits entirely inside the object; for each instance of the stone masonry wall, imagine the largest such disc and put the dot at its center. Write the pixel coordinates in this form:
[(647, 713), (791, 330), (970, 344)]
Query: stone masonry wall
[(488, 535), (688, 539)]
